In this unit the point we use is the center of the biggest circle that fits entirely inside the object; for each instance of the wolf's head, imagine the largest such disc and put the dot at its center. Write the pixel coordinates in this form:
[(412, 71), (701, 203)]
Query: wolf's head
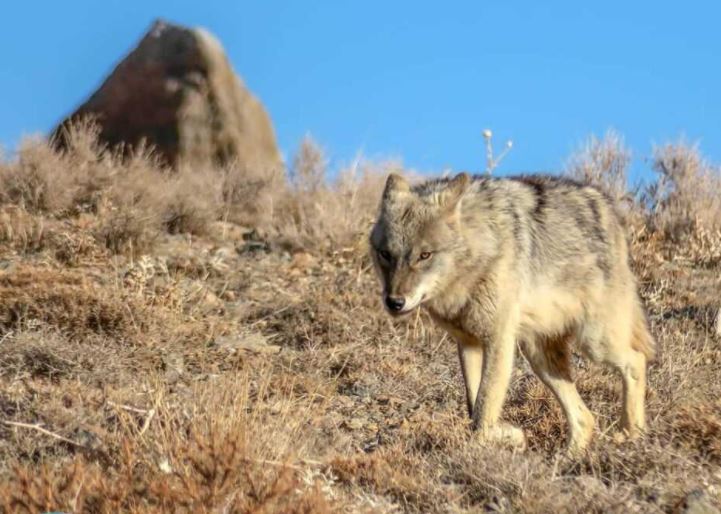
[(416, 242)]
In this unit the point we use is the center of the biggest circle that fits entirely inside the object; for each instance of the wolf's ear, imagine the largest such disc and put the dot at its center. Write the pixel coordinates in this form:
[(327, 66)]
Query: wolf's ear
[(395, 185), (454, 190)]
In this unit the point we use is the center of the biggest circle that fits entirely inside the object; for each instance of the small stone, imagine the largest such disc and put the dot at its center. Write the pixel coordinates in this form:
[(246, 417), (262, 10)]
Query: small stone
[(303, 261), (252, 342), (88, 439), (174, 367), (345, 402), (254, 247), (362, 391), (165, 466), (372, 444), (210, 301), (354, 424), (498, 504), (229, 296)]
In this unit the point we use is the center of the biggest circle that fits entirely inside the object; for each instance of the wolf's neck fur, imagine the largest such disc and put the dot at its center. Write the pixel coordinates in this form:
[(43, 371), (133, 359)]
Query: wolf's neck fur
[(486, 223)]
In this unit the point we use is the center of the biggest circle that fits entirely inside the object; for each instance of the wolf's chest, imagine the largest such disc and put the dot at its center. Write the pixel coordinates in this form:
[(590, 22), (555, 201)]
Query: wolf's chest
[(462, 328)]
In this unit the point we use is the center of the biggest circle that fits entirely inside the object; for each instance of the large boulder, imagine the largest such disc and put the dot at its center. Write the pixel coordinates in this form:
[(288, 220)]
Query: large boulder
[(178, 92)]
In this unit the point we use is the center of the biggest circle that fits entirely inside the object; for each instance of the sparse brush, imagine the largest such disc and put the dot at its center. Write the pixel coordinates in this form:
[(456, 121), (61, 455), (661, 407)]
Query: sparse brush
[(21, 230), (63, 299), (192, 201), (33, 181), (133, 196), (310, 165), (685, 196), (250, 195), (315, 211), (603, 163)]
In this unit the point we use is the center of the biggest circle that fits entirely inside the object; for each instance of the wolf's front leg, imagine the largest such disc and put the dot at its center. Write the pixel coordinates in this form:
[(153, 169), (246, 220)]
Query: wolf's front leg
[(497, 369), (471, 357)]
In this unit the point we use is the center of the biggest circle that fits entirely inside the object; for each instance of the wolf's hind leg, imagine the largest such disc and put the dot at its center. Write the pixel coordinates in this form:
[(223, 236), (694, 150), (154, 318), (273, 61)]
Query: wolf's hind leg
[(631, 364), (628, 348), (550, 360)]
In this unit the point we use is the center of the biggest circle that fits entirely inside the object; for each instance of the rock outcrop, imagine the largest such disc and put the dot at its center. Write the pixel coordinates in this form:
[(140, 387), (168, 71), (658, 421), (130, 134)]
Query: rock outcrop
[(177, 91)]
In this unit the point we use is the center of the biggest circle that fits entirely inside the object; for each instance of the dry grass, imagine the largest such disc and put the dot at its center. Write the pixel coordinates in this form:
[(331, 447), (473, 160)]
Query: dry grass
[(604, 163), (158, 356), (685, 197)]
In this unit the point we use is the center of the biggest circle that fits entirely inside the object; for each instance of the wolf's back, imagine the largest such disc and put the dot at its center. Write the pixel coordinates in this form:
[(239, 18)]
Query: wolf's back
[(554, 221)]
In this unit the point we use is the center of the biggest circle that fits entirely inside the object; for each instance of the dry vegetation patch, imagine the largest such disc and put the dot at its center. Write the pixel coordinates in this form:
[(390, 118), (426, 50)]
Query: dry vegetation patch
[(169, 343)]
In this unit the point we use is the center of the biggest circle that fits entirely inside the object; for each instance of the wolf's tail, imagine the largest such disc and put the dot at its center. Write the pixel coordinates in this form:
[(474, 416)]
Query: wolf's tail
[(641, 339)]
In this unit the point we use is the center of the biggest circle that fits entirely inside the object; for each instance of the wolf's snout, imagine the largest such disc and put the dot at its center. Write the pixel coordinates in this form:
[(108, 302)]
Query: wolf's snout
[(395, 303)]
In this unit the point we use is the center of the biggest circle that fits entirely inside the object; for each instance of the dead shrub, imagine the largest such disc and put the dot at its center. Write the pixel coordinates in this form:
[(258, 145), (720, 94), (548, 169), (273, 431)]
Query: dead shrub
[(333, 215), (684, 197), (72, 244), (41, 352), (64, 300), (699, 426), (45, 180), (34, 181), (602, 163), (192, 201), (310, 165), (20, 230), (250, 195), (129, 228), (35, 353), (132, 195)]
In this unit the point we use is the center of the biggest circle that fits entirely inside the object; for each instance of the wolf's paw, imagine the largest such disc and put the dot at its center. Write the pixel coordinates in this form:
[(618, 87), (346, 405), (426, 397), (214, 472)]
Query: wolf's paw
[(504, 434), (575, 450), (581, 435), (626, 435)]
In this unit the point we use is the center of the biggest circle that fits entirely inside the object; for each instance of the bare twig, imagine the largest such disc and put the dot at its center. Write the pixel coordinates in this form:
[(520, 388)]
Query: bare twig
[(128, 407), (298, 465), (271, 315), (42, 430), (146, 423)]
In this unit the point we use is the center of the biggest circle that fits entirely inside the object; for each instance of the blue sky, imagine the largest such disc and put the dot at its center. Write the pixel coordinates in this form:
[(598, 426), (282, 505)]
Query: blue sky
[(415, 80)]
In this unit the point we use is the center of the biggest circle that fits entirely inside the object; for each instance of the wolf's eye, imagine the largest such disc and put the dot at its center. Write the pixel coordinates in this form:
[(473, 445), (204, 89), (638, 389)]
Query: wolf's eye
[(424, 255), (385, 255)]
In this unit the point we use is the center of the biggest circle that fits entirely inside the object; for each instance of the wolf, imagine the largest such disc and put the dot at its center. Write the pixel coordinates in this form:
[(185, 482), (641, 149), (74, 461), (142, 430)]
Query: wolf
[(535, 262)]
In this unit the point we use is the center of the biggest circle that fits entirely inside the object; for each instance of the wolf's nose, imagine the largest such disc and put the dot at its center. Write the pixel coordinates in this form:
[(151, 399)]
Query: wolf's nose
[(395, 303)]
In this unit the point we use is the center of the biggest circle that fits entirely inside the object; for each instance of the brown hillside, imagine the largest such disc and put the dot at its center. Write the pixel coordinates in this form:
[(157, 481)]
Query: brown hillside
[(158, 358)]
